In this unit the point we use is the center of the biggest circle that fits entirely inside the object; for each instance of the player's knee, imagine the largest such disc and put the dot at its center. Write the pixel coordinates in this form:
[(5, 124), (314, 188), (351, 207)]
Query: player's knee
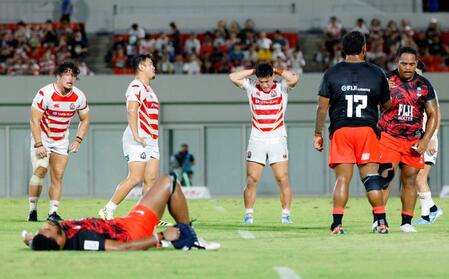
[(388, 177), (36, 180), (251, 180), (282, 180), (373, 182), (40, 172)]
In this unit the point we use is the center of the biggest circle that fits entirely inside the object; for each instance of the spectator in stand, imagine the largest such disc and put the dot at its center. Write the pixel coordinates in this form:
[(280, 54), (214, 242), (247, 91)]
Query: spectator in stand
[(78, 47), (193, 66), (376, 53), (178, 65), (119, 59), (146, 45), (47, 63), (338, 56), (232, 40), (66, 10), (407, 38), (248, 31), (279, 39), (207, 46), (361, 27), (219, 41), (376, 32), (264, 55), (163, 42), (207, 66), (164, 66), (296, 61), (136, 32), (264, 42), (236, 54), (192, 45), (175, 37), (221, 29), (234, 27), (433, 29), (251, 56), (84, 70)]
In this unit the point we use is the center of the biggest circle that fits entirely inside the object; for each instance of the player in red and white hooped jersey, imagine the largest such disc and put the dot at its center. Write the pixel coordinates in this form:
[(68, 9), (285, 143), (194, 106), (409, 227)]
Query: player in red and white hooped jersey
[(268, 140), (52, 110), (140, 139)]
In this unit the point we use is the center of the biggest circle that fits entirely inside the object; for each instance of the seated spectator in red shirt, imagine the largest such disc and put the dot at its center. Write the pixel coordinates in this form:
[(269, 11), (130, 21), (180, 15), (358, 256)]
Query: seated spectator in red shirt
[(119, 59)]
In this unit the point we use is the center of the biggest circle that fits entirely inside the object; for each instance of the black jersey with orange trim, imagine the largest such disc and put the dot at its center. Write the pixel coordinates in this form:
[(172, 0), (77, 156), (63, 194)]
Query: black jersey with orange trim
[(355, 91), (91, 233), (404, 119)]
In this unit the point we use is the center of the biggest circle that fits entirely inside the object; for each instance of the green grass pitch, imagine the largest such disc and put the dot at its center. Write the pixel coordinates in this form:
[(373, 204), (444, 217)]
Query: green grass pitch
[(306, 247)]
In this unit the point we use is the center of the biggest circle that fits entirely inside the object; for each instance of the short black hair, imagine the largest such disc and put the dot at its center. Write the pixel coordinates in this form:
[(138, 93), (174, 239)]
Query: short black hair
[(65, 66), (139, 59), (353, 43), (43, 243), (407, 49), (421, 66), (264, 70)]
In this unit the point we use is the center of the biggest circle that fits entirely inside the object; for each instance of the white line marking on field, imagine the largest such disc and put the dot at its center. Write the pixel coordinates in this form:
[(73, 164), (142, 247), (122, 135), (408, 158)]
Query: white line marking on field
[(246, 234), (286, 272), (220, 208)]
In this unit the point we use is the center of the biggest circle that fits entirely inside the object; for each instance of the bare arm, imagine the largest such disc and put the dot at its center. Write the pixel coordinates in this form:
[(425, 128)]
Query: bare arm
[(387, 105), (238, 77), (321, 111), (431, 125), (35, 120), (133, 106), (291, 78), (169, 234), (83, 128)]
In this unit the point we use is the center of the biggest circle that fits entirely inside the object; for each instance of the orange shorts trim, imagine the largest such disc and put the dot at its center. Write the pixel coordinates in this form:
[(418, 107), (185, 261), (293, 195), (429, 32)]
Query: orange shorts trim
[(140, 222), (354, 145), (394, 150)]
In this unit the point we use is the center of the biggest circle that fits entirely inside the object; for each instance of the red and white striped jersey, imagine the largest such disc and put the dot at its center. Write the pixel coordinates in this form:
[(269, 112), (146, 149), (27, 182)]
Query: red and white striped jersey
[(148, 112), (267, 109), (58, 110)]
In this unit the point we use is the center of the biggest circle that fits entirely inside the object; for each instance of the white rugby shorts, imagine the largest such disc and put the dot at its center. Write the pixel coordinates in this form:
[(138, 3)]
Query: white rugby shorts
[(135, 152), (271, 150), (60, 146)]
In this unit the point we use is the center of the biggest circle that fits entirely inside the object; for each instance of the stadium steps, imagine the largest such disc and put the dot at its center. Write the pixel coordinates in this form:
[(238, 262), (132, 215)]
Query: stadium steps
[(98, 47)]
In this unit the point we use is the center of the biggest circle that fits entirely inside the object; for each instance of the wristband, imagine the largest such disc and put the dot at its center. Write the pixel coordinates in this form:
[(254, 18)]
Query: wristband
[(80, 138), (318, 134), (279, 71), (38, 144)]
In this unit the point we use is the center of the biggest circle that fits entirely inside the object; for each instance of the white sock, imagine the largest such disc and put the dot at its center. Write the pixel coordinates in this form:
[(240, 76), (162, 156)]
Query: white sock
[(425, 199), (249, 211), (33, 203), (285, 211), (54, 204), (110, 207)]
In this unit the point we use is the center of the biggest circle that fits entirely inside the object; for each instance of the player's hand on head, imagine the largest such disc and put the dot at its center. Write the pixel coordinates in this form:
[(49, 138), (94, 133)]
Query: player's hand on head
[(171, 234)]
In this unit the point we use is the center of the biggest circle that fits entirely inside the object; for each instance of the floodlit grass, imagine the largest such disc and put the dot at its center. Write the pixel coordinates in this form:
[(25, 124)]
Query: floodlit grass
[(305, 247)]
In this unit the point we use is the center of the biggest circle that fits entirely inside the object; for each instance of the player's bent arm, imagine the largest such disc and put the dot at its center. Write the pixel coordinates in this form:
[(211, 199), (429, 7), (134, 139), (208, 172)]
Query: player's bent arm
[(321, 111), (83, 127), (387, 105), (291, 78), (36, 116), (432, 119), (133, 107), (238, 77)]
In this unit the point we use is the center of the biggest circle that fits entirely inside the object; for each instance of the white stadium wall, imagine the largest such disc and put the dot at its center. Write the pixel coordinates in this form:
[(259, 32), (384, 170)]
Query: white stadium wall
[(207, 112)]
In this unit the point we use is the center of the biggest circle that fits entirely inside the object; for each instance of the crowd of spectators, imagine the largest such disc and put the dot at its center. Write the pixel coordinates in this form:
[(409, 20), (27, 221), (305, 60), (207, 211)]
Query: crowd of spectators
[(225, 49), (383, 43), (37, 48)]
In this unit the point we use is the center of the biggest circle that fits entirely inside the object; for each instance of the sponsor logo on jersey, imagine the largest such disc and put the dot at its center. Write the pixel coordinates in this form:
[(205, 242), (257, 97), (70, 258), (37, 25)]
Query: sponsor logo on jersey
[(405, 112), (127, 158), (284, 156), (354, 88), (143, 155), (248, 155), (72, 106), (56, 105), (418, 91), (141, 212), (273, 94)]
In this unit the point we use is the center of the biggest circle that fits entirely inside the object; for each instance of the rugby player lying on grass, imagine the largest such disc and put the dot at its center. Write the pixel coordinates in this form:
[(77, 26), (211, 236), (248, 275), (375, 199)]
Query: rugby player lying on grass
[(136, 231)]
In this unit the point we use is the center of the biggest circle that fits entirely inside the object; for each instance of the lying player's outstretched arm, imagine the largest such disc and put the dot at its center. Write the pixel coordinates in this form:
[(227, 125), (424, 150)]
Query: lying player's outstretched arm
[(169, 234), (238, 77)]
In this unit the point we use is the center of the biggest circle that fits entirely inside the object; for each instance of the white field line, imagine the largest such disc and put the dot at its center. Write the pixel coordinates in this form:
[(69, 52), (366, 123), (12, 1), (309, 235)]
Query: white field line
[(246, 234), (286, 272)]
